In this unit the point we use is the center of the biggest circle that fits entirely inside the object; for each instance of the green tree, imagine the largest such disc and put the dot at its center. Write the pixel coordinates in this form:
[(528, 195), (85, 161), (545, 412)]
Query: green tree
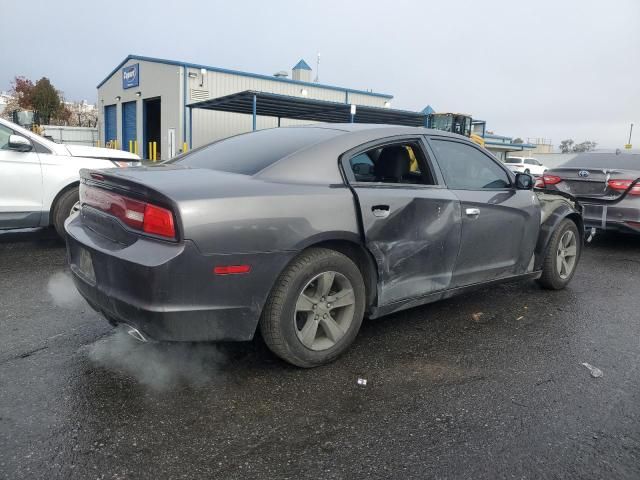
[(586, 146), (518, 140), (565, 145), (45, 100)]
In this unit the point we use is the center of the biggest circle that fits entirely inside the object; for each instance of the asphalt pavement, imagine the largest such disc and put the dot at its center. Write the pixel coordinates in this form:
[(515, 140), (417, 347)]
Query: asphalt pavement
[(486, 385)]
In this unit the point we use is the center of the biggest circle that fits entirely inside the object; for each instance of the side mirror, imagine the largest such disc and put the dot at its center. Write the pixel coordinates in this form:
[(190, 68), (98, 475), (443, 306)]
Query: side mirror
[(524, 181), (19, 144)]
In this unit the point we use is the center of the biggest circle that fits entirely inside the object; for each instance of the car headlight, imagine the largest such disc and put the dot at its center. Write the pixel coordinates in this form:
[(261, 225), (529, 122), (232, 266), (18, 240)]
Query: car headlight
[(125, 164)]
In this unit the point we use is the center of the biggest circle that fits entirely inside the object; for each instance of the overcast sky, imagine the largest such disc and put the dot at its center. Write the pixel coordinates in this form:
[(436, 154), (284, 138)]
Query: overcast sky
[(545, 68)]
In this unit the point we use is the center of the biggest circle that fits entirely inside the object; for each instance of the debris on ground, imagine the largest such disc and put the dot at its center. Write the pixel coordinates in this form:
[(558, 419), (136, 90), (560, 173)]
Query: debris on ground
[(520, 317), (595, 372), (476, 316), (362, 382)]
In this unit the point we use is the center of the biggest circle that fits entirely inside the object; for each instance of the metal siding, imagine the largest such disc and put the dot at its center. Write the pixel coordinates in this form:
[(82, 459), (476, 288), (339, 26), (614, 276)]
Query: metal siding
[(156, 80), (110, 123), (129, 119)]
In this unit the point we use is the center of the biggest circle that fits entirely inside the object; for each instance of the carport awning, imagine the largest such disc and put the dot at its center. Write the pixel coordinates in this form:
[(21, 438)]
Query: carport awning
[(285, 106)]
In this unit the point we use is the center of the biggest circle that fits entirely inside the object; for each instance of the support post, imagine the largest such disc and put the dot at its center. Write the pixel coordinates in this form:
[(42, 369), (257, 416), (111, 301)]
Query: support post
[(255, 108)]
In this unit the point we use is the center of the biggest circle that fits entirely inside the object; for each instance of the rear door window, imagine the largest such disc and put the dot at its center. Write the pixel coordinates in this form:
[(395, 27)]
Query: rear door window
[(399, 162)]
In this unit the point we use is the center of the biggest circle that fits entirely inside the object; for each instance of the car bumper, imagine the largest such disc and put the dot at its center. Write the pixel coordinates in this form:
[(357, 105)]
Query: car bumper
[(616, 217), (169, 291)]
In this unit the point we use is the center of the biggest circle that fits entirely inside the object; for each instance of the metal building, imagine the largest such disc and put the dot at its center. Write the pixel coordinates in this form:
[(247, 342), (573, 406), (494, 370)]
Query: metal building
[(149, 104)]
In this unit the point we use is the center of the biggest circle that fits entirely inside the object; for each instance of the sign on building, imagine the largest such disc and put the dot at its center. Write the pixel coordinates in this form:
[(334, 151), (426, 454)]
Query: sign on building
[(131, 76)]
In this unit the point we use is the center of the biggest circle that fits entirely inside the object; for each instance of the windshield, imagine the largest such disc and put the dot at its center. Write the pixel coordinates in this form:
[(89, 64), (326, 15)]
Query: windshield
[(250, 153), (626, 161)]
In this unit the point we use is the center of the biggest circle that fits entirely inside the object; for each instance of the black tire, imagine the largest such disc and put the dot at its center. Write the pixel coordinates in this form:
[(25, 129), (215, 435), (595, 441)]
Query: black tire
[(62, 209), (278, 321), (551, 278), (527, 171)]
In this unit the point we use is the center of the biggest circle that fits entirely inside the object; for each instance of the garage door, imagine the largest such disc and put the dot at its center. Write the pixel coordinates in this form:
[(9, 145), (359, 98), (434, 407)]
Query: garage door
[(110, 124), (128, 125)]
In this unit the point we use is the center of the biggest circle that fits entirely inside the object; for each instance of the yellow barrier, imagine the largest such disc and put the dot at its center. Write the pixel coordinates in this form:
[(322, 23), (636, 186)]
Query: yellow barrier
[(152, 151), (185, 148)]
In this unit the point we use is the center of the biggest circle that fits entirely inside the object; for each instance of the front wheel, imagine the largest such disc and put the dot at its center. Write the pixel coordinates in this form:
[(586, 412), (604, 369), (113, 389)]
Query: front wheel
[(315, 309), (562, 256), (67, 204)]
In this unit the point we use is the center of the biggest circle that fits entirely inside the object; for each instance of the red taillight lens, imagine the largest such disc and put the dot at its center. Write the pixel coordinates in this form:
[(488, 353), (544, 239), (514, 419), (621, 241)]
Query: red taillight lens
[(622, 185), (136, 214), (158, 221), (539, 183), (231, 269), (551, 179)]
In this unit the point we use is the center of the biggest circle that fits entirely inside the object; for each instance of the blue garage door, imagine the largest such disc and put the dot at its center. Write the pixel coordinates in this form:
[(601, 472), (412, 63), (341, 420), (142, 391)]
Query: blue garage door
[(110, 124), (128, 125)]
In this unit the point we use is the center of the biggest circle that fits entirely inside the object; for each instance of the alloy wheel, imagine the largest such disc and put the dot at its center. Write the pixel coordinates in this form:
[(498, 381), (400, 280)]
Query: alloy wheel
[(566, 254), (324, 310), (75, 208)]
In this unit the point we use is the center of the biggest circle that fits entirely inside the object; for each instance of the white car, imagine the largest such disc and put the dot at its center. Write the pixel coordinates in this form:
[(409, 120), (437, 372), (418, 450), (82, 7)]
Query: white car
[(39, 179), (525, 165)]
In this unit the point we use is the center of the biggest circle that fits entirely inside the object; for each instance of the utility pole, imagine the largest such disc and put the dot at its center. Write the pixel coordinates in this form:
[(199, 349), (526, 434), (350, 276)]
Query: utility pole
[(317, 68), (630, 131)]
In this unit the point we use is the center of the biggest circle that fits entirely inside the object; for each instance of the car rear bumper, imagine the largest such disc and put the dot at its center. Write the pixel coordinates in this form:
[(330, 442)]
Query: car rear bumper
[(169, 291), (617, 217)]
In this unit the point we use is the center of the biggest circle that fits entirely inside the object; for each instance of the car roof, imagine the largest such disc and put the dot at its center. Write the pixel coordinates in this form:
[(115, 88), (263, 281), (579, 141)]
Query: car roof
[(317, 163)]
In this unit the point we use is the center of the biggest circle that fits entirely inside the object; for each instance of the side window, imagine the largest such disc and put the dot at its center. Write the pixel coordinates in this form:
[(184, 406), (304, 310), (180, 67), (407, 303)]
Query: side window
[(466, 168), (5, 133), (395, 163), (530, 162)]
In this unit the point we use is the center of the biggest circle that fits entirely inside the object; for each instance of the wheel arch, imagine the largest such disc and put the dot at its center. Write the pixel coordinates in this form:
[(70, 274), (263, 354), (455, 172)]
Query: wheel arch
[(54, 202), (549, 226)]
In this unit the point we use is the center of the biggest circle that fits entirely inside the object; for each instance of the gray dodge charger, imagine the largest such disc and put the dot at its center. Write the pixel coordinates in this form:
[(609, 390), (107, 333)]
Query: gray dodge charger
[(303, 231)]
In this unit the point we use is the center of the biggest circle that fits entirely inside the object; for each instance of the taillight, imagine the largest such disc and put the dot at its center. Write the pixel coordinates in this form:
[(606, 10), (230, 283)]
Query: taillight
[(136, 214), (551, 179), (539, 183), (158, 221), (622, 185)]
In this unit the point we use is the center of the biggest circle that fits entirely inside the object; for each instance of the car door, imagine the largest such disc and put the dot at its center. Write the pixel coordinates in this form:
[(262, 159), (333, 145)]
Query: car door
[(499, 223), (20, 185), (411, 223)]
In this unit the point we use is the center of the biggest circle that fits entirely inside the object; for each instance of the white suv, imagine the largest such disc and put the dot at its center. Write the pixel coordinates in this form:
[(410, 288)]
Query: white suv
[(525, 165), (39, 178)]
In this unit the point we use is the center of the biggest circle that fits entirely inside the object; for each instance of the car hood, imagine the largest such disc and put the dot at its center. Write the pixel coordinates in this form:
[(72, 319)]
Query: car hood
[(98, 152)]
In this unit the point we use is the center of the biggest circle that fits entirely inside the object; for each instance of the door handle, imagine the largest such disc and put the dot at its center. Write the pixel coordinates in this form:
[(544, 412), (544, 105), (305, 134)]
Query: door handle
[(381, 211), (472, 212)]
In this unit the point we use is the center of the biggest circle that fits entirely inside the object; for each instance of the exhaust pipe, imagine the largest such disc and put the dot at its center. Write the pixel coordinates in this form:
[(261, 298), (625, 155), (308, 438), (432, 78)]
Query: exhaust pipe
[(137, 334)]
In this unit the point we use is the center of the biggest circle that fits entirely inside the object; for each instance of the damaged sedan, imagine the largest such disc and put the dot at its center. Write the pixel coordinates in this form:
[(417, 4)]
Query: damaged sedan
[(302, 232)]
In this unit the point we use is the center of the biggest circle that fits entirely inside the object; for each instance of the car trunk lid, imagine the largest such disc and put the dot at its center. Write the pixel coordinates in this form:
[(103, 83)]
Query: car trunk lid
[(168, 187), (588, 182)]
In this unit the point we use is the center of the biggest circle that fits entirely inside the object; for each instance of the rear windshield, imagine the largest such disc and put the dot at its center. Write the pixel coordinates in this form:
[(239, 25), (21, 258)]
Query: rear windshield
[(513, 160), (625, 161), (249, 153)]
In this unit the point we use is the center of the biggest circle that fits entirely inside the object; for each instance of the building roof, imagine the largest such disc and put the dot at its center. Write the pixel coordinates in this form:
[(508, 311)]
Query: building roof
[(237, 72), (286, 106), (302, 65)]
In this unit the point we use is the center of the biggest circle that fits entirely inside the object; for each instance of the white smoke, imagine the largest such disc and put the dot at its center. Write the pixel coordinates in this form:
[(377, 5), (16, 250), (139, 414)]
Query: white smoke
[(160, 366)]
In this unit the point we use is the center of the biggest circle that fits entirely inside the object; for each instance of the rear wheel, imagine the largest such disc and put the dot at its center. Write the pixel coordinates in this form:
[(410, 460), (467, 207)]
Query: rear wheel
[(527, 171), (315, 309), (67, 204), (562, 256)]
